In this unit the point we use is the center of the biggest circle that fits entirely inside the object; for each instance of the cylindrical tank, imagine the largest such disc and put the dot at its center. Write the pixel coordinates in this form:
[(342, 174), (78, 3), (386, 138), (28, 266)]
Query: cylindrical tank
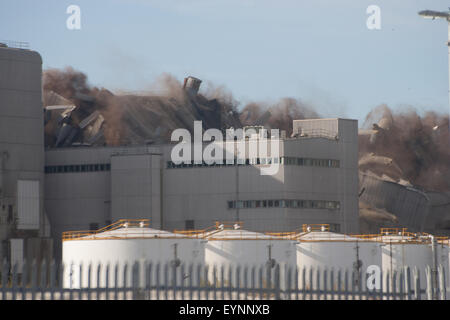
[(402, 248), (125, 244), (323, 250), (231, 247), (21, 140), (443, 258), (416, 251)]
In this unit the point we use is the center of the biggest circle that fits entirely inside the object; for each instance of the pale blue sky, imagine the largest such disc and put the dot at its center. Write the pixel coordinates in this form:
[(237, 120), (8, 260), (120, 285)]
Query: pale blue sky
[(319, 51)]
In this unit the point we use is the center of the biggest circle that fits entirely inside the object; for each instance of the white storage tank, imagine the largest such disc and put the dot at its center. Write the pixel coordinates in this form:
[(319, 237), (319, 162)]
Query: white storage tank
[(443, 258), (318, 248), (402, 248), (124, 243), (229, 245)]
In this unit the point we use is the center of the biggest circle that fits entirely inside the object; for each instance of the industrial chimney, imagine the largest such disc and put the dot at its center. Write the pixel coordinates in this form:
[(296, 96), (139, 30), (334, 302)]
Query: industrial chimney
[(191, 85)]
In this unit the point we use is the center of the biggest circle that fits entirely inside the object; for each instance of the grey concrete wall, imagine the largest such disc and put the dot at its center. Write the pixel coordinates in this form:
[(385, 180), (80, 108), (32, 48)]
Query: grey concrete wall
[(21, 131), (409, 205), (136, 187)]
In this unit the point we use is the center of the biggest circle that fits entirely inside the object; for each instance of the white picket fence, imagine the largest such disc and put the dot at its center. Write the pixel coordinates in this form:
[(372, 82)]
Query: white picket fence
[(145, 280)]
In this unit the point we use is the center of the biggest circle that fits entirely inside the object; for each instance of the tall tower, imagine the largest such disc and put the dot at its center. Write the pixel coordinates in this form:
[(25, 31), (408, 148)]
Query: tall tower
[(21, 149)]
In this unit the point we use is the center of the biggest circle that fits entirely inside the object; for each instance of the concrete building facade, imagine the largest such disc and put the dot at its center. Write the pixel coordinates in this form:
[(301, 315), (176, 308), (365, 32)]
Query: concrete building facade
[(317, 182)]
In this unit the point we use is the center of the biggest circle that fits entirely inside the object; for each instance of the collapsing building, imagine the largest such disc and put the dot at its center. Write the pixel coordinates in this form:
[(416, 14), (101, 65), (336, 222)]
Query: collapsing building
[(404, 177), (108, 157), (97, 117)]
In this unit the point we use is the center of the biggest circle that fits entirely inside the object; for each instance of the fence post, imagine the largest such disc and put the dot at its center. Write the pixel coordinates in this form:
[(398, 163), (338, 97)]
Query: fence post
[(107, 291), (199, 274), (205, 279), (238, 281), (260, 280), (116, 280), (98, 277), (407, 282), (191, 272), (52, 280), (339, 283), (277, 282), (222, 281), (60, 269), (25, 271), (246, 282), (430, 288), (43, 279), (166, 281), (182, 278), (318, 283), (288, 282), (253, 281), (89, 283), (14, 280), (442, 288), (417, 293), (135, 280), (4, 278)]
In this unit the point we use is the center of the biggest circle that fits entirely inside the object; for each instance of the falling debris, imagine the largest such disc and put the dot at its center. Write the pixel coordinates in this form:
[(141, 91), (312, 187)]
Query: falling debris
[(407, 147), (130, 119), (400, 151)]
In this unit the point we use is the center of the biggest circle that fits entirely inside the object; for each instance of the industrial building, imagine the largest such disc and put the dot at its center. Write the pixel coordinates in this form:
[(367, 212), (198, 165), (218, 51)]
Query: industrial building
[(45, 192), (317, 182)]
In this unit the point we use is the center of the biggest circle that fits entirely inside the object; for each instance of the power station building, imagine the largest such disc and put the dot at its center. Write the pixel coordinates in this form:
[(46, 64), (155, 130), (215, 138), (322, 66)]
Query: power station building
[(44, 193), (317, 182)]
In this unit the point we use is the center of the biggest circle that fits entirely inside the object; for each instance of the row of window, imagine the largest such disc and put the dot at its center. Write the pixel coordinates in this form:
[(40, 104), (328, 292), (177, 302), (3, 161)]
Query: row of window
[(78, 168), (330, 163), (303, 204)]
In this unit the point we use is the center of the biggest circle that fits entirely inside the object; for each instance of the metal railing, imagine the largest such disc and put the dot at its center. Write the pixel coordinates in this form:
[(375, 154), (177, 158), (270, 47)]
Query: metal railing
[(144, 280), (16, 44), (119, 224), (317, 133)]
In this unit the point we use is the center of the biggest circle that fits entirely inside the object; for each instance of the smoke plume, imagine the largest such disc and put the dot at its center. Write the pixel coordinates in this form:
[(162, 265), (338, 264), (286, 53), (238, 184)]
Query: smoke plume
[(403, 145), (418, 145)]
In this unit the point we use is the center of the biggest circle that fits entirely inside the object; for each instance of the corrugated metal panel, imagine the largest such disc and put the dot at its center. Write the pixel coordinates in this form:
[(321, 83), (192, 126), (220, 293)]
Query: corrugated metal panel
[(28, 204), (17, 253)]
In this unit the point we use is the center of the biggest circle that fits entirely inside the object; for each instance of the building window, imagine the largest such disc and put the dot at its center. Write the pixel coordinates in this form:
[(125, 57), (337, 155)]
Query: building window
[(325, 163), (305, 204), (77, 168)]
